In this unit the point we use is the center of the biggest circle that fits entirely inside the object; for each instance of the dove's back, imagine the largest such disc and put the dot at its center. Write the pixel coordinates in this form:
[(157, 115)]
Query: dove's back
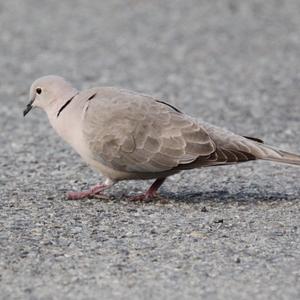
[(142, 137)]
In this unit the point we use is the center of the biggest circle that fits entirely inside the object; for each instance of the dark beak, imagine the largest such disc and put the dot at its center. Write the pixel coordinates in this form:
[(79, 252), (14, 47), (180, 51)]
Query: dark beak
[(28, 108)]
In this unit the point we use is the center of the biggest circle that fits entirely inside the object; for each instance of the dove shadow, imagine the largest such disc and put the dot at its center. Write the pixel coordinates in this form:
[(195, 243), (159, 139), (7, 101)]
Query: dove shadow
[(225, 196)]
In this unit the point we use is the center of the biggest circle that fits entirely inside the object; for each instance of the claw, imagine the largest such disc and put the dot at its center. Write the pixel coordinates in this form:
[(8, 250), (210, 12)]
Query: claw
[(151, 193), (141, 198), (91, 193)]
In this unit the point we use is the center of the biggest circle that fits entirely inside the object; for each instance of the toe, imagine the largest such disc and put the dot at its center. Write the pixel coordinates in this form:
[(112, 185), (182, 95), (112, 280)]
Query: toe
[(75, 196)]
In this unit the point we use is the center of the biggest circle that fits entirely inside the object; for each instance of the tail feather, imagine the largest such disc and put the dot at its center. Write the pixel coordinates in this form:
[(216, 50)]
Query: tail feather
[(273, 154)]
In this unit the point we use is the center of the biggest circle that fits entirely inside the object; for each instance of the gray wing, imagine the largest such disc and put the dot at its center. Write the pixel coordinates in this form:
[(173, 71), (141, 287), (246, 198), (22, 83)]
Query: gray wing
[(136, 133), (232, 148)]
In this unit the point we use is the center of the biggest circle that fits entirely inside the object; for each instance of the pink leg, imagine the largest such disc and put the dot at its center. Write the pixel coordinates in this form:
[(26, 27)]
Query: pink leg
[(151, 192), (95, 190)]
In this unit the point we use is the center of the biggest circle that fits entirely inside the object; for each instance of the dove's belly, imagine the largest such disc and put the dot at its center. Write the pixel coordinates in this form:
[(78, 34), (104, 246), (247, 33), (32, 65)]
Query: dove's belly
[(118, 175)]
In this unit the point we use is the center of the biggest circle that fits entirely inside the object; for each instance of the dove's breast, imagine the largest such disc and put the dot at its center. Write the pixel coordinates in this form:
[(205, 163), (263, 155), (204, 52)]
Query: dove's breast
[(68, 123)]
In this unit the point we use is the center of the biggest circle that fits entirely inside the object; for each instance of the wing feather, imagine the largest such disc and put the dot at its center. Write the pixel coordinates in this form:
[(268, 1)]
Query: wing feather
[(135, 133)]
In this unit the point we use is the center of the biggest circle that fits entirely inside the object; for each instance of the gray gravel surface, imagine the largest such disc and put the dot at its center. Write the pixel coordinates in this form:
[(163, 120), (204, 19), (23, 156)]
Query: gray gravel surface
[(225, 233)]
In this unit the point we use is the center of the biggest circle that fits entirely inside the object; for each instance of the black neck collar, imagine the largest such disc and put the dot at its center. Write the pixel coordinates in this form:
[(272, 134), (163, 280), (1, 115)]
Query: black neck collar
[(66, 104)]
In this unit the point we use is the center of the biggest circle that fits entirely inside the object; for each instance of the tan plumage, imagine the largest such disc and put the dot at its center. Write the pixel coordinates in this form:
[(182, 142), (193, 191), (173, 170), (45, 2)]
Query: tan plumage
[(135, 133), (126, 135), (139, 134)]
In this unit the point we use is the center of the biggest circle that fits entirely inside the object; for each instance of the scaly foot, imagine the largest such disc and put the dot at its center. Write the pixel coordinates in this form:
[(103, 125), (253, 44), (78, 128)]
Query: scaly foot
[(151, 193), (95, 190)]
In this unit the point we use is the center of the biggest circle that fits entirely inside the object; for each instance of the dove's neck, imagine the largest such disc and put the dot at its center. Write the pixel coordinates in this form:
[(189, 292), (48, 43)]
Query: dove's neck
[(65, 117), (60, 103)]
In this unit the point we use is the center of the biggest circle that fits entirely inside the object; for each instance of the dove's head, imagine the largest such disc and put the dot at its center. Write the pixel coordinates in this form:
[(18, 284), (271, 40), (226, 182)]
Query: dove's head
[(49, 91)]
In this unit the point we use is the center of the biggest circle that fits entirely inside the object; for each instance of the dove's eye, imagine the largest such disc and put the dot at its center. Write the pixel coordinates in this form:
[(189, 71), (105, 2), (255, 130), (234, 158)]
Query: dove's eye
[(38, 90)]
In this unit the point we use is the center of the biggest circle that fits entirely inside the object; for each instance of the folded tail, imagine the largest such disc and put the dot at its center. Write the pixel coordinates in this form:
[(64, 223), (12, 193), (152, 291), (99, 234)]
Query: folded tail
[(273, 154)]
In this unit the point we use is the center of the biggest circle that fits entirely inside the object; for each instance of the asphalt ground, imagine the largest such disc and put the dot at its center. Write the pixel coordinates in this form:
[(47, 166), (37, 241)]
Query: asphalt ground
[(223, 233)]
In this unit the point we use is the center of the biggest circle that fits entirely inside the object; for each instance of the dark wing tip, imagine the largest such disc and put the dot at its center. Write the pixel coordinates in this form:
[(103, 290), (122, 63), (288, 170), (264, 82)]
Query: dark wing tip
[(254, 139), (171, 106)]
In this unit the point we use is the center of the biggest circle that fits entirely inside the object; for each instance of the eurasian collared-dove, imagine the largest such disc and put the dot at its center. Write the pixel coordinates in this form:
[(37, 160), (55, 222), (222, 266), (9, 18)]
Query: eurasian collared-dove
[(125, 135)]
